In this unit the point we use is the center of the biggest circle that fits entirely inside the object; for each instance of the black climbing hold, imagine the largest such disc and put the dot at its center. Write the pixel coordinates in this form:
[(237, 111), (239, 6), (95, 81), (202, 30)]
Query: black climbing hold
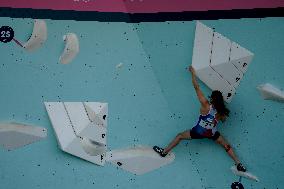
[(229, 94), (244, 64), (103, 135), (237, 185), (237, 79), (119, 164), (6, 34), (104, 117)]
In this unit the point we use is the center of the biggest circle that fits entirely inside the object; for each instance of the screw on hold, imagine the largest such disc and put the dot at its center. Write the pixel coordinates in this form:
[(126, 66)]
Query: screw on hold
[(103, 135), (237, 79), (102, 157), (244, 64), (229, 94), (104, 117), (119, 163)]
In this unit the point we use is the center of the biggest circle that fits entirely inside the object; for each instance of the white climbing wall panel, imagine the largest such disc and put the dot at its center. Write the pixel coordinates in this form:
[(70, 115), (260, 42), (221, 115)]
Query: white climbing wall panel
[(76, 133), (240, 57), (219, 62), (15, 135), (202, 46), (138, 160)]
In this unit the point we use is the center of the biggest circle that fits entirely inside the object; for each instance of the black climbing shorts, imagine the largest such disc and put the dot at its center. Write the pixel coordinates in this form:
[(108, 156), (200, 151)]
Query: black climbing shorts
[(195, 135)]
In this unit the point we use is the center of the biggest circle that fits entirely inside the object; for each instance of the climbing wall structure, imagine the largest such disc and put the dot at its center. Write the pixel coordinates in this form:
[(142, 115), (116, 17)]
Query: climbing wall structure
[(80, 128), (219, 62)]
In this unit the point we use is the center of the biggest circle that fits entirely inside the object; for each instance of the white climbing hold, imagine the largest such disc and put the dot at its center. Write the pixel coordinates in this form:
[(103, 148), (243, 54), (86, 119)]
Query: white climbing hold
[(78, 131), (138, 160), (38, 36), (270, 92), (15, 135), (71, 48), (244, 174), (119, 65)]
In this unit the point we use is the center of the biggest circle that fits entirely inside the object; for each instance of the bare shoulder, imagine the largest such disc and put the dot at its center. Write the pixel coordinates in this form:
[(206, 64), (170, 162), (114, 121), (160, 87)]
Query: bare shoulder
[(205, 108)]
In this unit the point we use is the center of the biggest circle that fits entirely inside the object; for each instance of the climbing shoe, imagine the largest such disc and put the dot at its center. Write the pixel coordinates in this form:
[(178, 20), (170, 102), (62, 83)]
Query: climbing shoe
[(159, 151), (240, 167)]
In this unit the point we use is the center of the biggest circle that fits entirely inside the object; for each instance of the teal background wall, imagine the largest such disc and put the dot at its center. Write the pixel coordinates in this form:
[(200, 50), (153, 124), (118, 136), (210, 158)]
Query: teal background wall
[(150, 98)]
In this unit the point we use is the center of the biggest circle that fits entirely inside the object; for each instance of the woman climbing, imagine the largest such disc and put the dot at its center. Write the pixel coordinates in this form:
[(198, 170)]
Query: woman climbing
[(211, 112)]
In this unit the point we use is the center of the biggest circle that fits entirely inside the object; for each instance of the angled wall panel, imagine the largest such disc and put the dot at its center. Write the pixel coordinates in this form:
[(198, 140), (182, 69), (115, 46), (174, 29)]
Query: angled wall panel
[(240, 57), (202, 46), (220, 60), (15, 135), (138, 160), (69, 141)]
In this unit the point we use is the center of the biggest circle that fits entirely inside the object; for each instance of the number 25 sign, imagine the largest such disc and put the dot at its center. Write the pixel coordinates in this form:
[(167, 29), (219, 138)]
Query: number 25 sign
[(6, 34)]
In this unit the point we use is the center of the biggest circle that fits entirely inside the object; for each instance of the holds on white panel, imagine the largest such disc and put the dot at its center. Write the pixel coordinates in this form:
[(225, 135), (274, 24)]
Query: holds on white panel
[(67, 138), (15, 135), (220, 60), (98, 112), (38, 37), (202, 46), (240, 57), (228, 93), (93, 148), (138, 160), (270, 92), (71, 48), (213, 52)]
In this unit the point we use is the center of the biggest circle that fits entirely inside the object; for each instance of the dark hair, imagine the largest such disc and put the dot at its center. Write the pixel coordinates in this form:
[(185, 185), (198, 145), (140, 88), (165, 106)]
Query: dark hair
[(217, 100)]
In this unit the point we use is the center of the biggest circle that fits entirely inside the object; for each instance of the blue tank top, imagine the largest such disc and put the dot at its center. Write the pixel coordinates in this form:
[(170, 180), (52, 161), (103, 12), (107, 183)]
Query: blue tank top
[(207, 124)]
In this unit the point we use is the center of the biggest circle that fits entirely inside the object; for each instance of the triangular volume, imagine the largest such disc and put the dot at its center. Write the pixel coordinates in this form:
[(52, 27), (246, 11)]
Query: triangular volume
[(15, 135), (270, 92), (138, 160), (240, 57), (202, 46), (67, 137), (98, 112)]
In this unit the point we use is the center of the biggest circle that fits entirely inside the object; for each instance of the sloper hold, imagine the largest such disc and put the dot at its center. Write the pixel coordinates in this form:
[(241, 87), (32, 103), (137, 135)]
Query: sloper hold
[(38, 36), (244, 174), (67, 138), (270, 92), (71, 48), (15, 135), (138, 160)]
